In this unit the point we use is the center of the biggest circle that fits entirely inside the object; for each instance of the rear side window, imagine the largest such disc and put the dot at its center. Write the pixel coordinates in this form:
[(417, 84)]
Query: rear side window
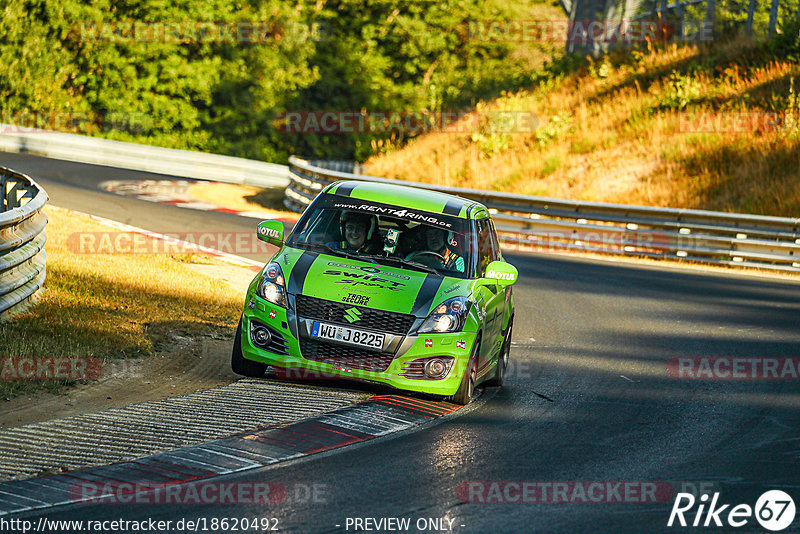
[(484, 235), (496, 255)]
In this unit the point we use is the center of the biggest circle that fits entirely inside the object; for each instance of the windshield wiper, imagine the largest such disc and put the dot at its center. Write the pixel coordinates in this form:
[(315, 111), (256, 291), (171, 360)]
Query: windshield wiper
[(401, 262)]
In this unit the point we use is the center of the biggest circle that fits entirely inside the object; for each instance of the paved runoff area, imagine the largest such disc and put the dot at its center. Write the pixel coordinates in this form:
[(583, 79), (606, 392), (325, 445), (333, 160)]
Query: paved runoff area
[(136, 430), (130, 431)]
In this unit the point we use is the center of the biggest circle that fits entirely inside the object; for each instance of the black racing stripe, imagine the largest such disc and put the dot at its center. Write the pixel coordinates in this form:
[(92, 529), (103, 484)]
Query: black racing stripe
[(300, 270), (453, 207), (426, 294), (345, 189)]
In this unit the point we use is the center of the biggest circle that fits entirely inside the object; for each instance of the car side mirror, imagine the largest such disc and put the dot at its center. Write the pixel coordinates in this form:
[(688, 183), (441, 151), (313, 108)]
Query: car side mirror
[(271, 232), (501, 272)]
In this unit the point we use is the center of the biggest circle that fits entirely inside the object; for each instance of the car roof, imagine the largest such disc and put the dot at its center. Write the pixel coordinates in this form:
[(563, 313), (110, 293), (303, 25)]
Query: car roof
[(415, 198)]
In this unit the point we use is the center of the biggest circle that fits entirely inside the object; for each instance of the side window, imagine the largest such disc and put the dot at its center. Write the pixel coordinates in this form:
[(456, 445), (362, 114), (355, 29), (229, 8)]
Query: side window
[(485, 252), (495, 244)]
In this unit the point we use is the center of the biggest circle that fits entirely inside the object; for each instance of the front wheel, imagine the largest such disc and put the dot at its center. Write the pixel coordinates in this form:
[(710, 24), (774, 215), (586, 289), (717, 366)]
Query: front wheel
[(466, 389), (239, 364), (502, 359)]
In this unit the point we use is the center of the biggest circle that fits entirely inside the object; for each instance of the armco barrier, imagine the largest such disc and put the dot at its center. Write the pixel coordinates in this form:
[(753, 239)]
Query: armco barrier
[(531, 223), (22, 238), (168, 161)]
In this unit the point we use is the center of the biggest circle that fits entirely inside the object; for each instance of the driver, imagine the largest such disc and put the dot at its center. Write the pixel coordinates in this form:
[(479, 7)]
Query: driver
[(357, 229), (436, 240)]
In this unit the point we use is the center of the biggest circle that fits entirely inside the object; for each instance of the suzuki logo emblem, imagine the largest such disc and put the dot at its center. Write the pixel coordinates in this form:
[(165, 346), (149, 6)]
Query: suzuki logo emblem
[(352, 315)]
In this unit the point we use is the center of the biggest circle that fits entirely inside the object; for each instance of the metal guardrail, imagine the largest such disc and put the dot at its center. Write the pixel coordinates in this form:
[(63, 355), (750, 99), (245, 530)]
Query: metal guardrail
[(167, 161), (22, 238), (531, 223)]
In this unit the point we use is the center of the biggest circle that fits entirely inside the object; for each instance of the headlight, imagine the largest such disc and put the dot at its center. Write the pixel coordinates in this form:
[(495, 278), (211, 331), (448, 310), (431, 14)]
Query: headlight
[(271, 287), (448, 316)]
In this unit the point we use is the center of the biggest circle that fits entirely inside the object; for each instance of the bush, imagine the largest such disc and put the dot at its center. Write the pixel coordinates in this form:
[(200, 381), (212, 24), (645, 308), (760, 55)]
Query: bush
[(786, 43), (681, 90)]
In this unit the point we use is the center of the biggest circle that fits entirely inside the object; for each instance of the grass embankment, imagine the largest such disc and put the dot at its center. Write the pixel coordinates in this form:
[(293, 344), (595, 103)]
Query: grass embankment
[(624, 129), (111, 306), (243, 197)]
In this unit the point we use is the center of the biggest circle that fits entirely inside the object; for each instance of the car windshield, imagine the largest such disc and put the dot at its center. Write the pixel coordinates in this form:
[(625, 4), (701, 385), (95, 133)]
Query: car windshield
[(381, 233)]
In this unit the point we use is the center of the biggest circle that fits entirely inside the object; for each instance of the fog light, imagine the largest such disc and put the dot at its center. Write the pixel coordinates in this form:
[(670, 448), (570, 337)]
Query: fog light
[(261, 336), (430, 368), (435, 368)]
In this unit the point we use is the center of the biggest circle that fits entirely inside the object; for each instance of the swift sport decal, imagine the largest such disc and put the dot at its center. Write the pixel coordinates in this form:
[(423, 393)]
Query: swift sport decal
[(364, 280), (354, 283), (368, 269)]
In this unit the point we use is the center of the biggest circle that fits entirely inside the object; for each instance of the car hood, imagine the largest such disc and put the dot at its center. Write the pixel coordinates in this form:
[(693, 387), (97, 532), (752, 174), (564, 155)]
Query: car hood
[(366, 284)]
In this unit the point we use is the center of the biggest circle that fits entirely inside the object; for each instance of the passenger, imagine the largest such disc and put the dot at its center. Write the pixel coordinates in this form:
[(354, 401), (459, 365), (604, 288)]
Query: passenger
[(442, 256)]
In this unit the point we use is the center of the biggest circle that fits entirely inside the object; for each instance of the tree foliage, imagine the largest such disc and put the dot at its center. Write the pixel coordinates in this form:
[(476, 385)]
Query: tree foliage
[(75, 57)]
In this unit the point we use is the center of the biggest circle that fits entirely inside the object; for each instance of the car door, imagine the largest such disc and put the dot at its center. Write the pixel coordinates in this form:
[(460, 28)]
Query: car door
[(490, 297), (504, 305)]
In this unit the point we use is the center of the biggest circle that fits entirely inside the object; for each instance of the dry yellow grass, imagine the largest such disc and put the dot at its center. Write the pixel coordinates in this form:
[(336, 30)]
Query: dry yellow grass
[(242, 197), (623, 129), (109, 306)]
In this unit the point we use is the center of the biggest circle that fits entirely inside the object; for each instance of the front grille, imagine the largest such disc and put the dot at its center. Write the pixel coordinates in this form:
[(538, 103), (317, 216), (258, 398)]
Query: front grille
[(343, 356), (334, 312)]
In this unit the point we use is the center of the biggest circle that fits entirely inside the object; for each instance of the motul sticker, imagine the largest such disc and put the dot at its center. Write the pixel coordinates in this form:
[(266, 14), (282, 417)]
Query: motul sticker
[(271, 232)]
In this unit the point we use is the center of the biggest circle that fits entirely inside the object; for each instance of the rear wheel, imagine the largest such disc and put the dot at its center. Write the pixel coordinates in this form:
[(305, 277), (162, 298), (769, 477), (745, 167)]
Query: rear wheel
[(466, 389), (502, 359), (241, 365)]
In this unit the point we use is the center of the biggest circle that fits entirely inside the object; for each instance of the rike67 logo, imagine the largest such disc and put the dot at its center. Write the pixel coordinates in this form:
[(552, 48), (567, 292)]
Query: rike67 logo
[(774, 510)]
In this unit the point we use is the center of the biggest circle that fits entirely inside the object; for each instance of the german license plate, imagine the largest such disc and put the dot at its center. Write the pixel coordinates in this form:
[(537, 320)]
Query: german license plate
[(349, 336)]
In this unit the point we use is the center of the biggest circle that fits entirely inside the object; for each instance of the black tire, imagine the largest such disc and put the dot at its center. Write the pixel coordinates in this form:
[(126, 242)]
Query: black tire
[(502, 359), (466, 389), (241, 365)]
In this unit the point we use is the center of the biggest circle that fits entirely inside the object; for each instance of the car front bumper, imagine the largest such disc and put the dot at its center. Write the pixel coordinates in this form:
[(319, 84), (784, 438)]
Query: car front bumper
[(286, 352)]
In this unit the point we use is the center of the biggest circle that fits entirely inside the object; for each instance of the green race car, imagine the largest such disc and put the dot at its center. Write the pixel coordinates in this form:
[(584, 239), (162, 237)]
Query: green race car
[(382, 283)]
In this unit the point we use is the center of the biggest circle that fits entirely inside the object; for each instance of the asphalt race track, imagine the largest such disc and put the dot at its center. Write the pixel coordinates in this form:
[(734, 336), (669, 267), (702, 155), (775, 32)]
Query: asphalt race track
[(591, 398)]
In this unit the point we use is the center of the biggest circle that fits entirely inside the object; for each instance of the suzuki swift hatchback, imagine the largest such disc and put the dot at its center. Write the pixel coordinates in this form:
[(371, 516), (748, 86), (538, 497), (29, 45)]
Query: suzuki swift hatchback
[(383, 283)]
